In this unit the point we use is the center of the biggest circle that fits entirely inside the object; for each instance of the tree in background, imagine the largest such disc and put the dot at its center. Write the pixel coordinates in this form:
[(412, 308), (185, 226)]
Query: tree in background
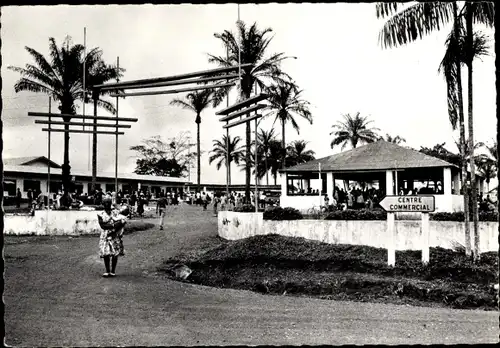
[(164, 158), (487, 167), (439, 151), (219, 153), (285, 105), (297, 153), (353, 130), (265, 141), (254, 45), (61, 77), (395, 140), (197, 102)]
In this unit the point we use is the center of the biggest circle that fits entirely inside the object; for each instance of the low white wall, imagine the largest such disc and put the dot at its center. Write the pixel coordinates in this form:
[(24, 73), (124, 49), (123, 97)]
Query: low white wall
[(68, 222), (233, 225), (371, 233)]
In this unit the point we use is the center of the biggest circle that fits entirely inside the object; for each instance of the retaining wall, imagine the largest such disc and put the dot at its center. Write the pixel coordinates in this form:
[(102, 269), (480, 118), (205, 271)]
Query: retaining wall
[(234, 226), (68, 222)]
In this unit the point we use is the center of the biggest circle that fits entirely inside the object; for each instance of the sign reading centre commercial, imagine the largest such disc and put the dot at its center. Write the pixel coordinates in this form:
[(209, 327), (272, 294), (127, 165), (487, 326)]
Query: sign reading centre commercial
[(408, 204)]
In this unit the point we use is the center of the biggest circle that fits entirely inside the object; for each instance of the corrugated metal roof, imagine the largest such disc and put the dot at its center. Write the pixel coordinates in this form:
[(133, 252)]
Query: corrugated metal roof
[(380, 155), (121, 176)]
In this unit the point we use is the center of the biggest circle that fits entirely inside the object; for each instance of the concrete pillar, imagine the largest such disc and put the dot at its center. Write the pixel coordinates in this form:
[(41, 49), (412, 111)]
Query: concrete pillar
[(329, 185), (389, 183), (447, 181)]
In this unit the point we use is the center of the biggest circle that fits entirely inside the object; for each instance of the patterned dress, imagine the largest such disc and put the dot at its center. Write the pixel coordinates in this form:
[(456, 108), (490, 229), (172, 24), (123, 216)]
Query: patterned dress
[(110, 240)]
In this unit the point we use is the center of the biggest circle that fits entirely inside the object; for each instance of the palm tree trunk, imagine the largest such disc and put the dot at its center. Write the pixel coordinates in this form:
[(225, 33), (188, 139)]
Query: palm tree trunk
[(475, 217), (267, 171), (198, 170), (283, 148), (462, 144), (247, 162), (229, 171)]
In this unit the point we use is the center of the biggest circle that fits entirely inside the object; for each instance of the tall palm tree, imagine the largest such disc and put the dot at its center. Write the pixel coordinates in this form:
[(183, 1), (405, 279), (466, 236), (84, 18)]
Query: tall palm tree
[(265, 141), (421, 19), (219, 152), (197, 102), (484, 13), (285, 104), (297, 153), (254, 45), (353, 130), (393, 139), (61, 78)]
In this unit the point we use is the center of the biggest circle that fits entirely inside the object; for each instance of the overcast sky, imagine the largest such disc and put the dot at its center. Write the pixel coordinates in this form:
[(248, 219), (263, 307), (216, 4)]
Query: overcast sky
[(340, 66)]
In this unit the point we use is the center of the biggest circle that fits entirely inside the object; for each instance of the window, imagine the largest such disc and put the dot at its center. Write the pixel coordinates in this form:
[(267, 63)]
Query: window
[(55, 186), (9, 188), (89, 187), (110, 187), (34, 185), (306, 184)]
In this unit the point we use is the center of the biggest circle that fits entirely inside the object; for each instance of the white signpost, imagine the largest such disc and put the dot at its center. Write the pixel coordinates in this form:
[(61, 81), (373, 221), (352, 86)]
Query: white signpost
[(407, 204)]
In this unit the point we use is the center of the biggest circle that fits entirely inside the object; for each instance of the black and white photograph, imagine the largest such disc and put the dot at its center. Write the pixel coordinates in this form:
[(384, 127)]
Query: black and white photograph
[(221, 174)]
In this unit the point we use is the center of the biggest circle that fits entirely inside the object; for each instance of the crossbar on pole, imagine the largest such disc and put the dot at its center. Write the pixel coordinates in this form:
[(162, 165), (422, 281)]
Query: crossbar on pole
[(102, 118), (170, 91), (183, 82), (126, 84), (82, 123), (242, 104), (248, 119), (79, 131), (242, 112)]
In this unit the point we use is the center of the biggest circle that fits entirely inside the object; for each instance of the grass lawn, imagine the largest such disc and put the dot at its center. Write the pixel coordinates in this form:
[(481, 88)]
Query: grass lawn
[(280, 265)]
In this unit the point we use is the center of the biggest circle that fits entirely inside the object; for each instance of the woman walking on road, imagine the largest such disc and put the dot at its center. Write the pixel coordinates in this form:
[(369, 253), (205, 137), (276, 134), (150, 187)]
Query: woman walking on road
[(112, 223)]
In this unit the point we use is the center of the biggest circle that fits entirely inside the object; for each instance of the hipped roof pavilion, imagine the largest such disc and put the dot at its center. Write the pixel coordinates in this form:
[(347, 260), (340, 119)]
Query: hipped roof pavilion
[(374, 157)]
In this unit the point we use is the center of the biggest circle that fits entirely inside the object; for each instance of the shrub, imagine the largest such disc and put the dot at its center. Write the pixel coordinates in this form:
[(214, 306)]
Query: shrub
[(245, 208), (279, 213), (459, 216), (362, 214)]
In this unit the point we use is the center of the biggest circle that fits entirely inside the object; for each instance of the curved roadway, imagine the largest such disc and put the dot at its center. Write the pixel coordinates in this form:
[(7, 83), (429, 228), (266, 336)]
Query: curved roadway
[(54, 296)]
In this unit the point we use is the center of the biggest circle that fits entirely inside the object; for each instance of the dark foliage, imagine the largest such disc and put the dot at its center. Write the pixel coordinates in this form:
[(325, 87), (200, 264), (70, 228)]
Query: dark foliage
[(279, 213), (362, 214)]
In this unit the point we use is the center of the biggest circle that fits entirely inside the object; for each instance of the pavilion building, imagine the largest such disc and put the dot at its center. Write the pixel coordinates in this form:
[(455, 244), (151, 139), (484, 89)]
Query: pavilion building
[(388, 167)]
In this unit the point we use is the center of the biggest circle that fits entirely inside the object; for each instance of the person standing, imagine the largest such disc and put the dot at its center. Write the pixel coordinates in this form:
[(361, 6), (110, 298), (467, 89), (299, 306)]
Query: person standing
[(161, 207), (30, 197), (140, 204), (19, 196), (111, 247)]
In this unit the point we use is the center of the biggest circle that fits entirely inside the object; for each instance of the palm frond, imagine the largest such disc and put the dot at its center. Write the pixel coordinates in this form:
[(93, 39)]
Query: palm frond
[(415, 22)]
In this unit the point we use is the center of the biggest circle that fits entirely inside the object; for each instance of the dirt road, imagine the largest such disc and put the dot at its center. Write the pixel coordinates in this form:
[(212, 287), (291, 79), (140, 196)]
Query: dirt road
[(54, 296)]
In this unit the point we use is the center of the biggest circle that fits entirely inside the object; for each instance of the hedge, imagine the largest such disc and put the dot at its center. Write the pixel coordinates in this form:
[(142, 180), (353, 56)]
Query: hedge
[(377, 214), (279, 213)]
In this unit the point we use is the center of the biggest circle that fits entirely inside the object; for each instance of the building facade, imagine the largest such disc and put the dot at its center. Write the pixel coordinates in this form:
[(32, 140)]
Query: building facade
[(32, 173)]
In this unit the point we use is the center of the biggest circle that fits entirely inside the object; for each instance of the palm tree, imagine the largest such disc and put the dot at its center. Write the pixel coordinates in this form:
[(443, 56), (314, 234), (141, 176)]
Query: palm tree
[(487, 168), (451, 65), (254, 45), (219, 152), (265, 140), (285, 104), (353, 130), (423, 18), (61, 77), (395, 140), (297, 153), (485, 13), (197, 102)]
